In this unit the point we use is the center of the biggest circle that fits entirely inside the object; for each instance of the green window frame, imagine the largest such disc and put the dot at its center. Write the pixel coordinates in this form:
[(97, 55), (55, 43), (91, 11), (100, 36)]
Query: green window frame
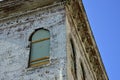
[(39, 48)]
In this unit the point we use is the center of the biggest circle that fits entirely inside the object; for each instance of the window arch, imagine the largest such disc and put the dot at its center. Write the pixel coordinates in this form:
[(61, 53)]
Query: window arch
[(40, 47)]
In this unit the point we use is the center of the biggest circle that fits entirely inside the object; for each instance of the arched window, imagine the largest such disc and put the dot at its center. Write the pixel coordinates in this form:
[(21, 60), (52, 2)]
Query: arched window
[(39, 49), (73, 59), (83, 74)]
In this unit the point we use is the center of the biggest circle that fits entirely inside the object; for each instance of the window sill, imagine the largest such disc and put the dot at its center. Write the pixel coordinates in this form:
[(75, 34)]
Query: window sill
[(38, 67)]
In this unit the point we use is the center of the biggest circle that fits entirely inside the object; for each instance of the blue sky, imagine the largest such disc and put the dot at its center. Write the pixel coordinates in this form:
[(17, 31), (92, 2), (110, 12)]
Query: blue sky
[(104, 18)]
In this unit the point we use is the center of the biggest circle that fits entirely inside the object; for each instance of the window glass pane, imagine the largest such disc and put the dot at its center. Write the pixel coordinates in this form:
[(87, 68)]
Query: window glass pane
[(40, 34), (40, 46), (40, 49)]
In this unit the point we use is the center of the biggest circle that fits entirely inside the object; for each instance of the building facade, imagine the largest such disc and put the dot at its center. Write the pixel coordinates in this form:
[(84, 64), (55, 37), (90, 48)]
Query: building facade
[(47, 40)]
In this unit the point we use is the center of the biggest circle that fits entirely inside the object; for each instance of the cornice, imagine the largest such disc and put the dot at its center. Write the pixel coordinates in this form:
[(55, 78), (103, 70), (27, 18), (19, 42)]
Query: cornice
[(32, 11), (11, 7), (5, 4), (76, 11)]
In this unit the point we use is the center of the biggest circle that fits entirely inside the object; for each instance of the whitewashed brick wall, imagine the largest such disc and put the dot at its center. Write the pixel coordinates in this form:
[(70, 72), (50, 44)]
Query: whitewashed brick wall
[(14, 42)]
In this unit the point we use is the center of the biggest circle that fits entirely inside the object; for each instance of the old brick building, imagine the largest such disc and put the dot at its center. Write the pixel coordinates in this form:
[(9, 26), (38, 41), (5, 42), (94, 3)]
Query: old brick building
[(47, 40)]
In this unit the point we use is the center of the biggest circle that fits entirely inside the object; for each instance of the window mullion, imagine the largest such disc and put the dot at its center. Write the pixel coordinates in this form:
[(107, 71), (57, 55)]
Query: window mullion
[(46, 57), (40, 40)]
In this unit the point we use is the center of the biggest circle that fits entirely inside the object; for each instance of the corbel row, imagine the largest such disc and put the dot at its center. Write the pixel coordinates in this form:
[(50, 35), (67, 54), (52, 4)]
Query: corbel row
[(78, 18)]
